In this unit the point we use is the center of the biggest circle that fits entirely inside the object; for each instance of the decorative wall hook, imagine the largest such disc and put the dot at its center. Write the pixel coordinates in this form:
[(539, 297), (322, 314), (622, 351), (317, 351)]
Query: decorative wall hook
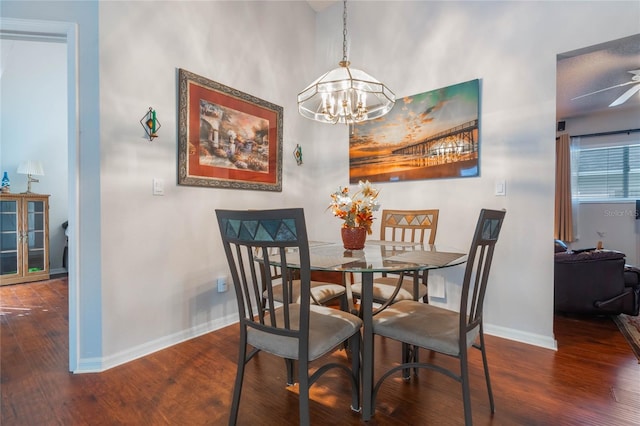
[(150, 123), (297, 153)]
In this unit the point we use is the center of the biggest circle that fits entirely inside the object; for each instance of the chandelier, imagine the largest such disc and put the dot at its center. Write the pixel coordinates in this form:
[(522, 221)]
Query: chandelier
[(344, 94)]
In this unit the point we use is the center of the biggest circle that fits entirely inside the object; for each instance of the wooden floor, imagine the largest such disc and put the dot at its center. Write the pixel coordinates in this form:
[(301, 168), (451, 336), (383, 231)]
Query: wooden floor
[(593, 379)]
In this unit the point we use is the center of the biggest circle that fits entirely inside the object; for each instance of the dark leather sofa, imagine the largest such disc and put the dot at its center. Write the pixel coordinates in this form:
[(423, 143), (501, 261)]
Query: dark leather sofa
[(595, 282)]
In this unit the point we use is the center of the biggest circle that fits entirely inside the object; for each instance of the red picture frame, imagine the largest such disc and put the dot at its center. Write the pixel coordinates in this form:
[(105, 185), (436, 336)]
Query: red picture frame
[(227, 138)]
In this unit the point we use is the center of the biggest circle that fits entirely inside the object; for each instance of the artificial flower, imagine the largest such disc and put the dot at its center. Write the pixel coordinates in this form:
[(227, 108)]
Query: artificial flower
[(357, 209)]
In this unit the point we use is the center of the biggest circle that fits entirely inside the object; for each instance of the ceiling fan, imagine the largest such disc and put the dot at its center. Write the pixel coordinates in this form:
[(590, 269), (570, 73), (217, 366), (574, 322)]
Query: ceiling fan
[(635, 80)]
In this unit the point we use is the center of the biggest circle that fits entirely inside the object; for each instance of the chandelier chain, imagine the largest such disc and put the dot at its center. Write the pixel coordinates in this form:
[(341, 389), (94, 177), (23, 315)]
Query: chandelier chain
[(344, 32), (345, 95)]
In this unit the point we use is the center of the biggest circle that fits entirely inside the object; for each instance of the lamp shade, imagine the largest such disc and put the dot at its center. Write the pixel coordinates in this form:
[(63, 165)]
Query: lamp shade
[(31, 167)]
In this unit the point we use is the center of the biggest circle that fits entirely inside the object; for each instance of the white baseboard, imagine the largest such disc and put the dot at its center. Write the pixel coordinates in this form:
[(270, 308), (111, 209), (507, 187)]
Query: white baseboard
[(58, 271), (522, 336), (96, 365), (89, 365)]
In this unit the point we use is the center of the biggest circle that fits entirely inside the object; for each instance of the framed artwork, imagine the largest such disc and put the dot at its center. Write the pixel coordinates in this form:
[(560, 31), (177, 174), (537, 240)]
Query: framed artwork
[(227, 138), (426, 136)]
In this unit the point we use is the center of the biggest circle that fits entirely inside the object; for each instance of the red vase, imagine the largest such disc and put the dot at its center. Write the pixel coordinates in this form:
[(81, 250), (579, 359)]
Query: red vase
[(353, 238)]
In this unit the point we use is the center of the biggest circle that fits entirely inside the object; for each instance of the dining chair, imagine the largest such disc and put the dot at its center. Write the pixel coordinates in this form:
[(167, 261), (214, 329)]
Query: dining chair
[(403, 226), (420, 325), (302, 332), (322, 292)]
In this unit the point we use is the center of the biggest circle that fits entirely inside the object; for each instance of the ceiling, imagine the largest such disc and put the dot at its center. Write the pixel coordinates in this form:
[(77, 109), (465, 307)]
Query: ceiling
[(593, 69), (587, 70)]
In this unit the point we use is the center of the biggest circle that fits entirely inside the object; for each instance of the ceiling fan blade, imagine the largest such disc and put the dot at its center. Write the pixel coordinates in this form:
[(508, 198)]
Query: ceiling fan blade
[(602, 90), (626, 95)]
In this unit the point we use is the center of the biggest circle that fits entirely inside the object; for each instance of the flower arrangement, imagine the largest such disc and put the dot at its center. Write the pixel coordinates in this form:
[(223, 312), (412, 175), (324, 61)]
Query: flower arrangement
[(356, 210)]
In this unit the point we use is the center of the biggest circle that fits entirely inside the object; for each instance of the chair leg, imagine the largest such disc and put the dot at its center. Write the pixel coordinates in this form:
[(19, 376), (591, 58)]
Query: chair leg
[(344, 304), (409, 354), (303, 392), (237, 389), (354, 343), (289, 363), (466, 392), (425, 281), (406, 358), (486, 371)]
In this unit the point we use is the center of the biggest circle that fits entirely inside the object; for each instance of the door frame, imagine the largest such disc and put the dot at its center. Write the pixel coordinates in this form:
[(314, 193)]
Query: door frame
[(68, 31)]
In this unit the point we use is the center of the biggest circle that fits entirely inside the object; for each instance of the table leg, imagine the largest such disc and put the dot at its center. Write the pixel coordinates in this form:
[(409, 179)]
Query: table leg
[(366, 308)]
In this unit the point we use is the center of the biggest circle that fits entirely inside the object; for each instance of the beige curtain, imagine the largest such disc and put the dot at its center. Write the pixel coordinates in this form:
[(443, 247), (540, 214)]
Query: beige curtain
[(563, 210)]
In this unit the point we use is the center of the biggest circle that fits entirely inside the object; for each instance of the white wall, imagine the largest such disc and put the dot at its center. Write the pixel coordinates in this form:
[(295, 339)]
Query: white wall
[(162, 254), (511, 46), (34, 126), (612, 223), (158, 257)]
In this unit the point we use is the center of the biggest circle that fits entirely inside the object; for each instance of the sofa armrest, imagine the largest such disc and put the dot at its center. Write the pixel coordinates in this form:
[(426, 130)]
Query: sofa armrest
[(630, 268), (581, 280), (631, 276)]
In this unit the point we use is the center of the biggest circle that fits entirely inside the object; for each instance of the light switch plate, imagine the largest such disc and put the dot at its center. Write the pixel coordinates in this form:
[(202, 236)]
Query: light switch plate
[(158, 186), (501, 187)]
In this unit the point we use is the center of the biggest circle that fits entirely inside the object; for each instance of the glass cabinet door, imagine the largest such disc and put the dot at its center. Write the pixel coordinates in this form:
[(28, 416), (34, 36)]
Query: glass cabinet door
[(24, 238), (35, 236), (9, 237)]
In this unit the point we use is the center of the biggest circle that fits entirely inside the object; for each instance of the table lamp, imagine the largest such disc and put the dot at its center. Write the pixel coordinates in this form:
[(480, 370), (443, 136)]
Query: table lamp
[(30, 168)]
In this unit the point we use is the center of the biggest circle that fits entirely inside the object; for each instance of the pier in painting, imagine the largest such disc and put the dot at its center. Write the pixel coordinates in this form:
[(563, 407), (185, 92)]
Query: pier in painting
[(425, 136), (453, 152)]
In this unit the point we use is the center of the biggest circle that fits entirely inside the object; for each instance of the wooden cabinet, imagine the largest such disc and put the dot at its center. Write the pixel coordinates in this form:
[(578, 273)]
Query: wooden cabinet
[(24, 238)]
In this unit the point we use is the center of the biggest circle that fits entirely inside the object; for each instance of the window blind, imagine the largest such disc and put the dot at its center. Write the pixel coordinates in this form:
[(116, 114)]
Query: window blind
[(609, 173)]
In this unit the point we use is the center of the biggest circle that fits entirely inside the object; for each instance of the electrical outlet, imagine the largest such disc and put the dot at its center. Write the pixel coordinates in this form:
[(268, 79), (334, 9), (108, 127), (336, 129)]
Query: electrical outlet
[(222, 285)]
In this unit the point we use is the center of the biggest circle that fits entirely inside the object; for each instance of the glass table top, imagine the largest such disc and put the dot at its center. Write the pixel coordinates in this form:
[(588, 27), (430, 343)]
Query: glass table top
[(377, 256)]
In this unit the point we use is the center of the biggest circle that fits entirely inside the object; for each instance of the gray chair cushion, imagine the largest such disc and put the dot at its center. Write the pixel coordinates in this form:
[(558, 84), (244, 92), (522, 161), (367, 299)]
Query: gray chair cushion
[(383, 288), (422, 325), (322, 291), (327, 329)]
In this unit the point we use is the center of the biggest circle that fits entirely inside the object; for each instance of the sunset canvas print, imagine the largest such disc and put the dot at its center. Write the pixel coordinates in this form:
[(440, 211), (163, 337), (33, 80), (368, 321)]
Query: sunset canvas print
[(425, 136)]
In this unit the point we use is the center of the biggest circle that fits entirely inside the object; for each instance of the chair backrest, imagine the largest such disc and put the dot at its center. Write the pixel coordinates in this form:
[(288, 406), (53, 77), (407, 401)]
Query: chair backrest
[(476, 274), (409, 225), (261, 237)]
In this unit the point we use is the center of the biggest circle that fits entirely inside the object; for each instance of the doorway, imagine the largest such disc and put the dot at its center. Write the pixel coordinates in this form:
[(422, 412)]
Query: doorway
[(66, 34)]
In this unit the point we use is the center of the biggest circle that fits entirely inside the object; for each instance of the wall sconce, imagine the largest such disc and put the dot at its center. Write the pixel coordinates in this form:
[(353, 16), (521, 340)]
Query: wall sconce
[(30, 168), (151, 124), (297, 154)]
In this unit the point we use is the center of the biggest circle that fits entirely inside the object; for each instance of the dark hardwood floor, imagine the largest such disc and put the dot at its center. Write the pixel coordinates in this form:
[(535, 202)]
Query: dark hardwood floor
[(593, 379)]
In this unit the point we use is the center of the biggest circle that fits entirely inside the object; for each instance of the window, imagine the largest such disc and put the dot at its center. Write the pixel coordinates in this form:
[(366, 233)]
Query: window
[(609, 173)]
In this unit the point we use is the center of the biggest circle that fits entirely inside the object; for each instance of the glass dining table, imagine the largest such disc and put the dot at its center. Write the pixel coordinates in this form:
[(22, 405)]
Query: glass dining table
[(377, 257)]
